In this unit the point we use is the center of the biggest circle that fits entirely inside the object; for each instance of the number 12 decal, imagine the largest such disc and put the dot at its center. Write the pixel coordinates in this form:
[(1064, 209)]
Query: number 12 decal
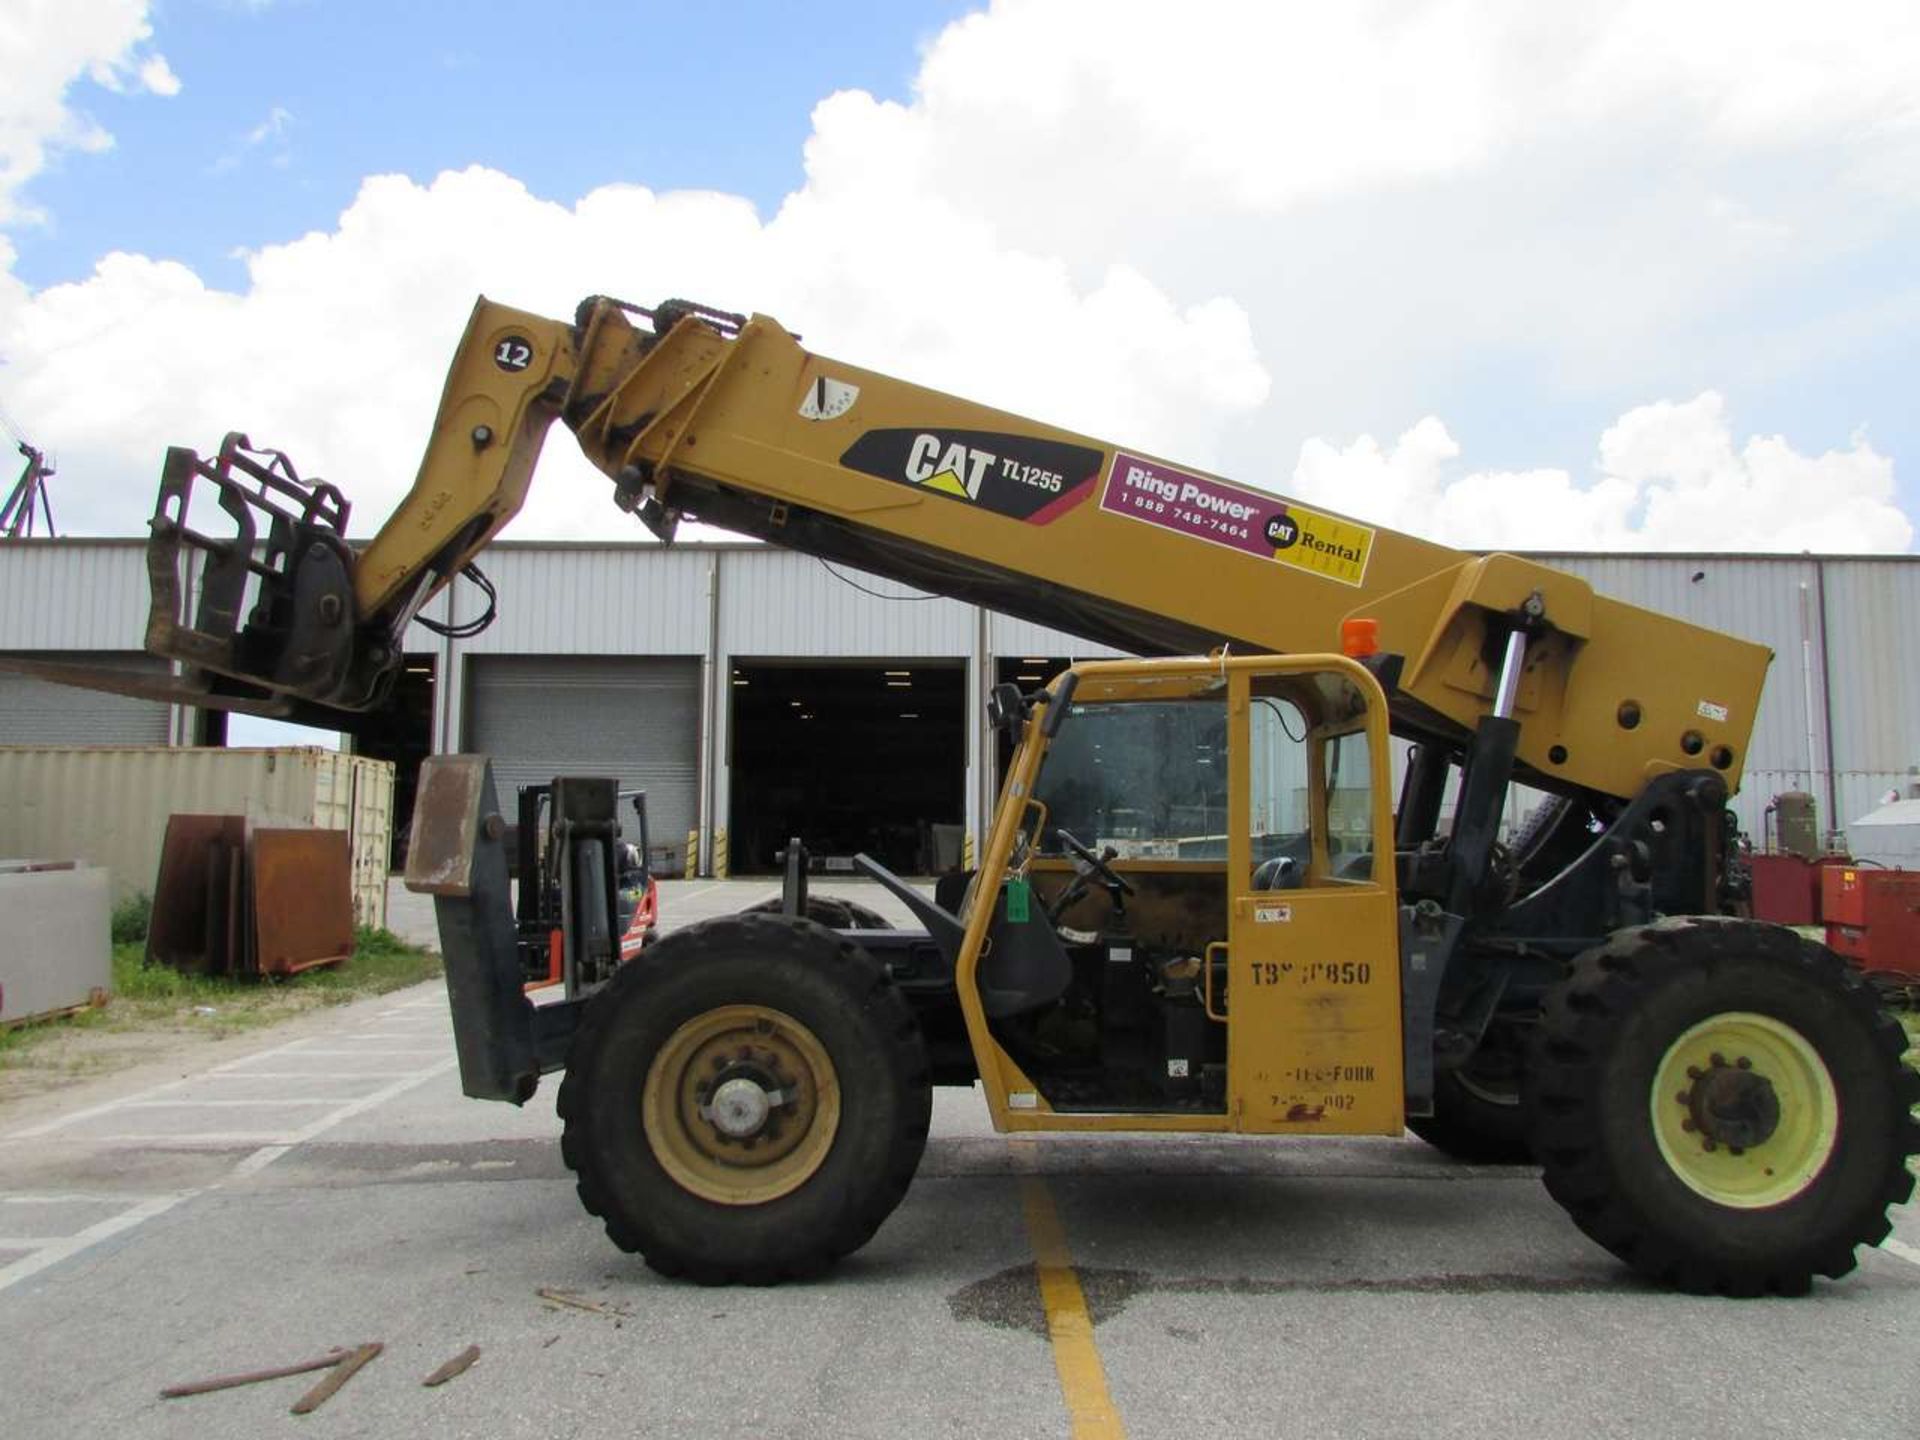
[(514, 353)]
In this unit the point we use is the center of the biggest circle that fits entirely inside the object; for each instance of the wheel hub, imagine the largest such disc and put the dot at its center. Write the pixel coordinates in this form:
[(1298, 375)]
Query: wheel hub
[(1744, 1110), (740, 1107), (1732, 1105), (741, 1104)]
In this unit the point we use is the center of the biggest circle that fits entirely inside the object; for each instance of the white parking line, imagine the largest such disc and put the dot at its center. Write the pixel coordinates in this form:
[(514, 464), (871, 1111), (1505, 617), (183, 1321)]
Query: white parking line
[(310, 1075), (68, 1246), (394, 1035), (267, 1154), (230, 1104), (267, 1146), (1908, 1253), (34, 1132), (194, 1139)]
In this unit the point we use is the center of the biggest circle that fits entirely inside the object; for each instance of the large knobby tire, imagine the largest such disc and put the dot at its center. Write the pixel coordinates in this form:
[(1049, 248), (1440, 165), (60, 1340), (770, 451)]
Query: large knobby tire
[(1477, 1115), (1723, 1105), (836, 912), (747, 1101)]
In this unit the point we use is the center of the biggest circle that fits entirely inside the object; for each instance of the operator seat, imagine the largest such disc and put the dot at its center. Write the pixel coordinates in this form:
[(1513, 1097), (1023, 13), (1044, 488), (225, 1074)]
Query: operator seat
[(1282, 872)]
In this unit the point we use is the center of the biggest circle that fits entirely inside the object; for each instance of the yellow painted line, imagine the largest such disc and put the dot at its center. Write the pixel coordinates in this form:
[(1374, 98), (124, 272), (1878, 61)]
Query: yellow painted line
[(1083, 1378)]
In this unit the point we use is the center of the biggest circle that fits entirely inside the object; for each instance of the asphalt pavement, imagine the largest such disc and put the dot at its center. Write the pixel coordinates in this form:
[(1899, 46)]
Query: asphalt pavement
[(326, 1185)]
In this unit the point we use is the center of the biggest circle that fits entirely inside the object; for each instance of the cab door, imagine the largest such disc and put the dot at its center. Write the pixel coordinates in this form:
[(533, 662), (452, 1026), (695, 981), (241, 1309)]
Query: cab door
[(1310, 984)]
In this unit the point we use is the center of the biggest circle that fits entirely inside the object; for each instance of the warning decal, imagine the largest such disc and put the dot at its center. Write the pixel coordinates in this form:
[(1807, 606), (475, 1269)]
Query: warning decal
[(1250, 521)]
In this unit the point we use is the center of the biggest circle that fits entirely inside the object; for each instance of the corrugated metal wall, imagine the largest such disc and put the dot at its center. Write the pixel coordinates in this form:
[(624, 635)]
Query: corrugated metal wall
[(586, 600), (575, 599), (777, 603), (73, 595), (637, 719), (40, 712), (1873, 627), (1871, 679)]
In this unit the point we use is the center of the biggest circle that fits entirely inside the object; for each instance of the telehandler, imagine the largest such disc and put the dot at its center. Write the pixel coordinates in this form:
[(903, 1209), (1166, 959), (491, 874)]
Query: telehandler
[(1200, 906)]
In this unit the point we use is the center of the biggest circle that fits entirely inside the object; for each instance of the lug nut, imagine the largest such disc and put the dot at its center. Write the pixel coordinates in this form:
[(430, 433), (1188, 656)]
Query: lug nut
[(1744, 1063), (1717, 1060), (1694, 1072), (1688, 1126), (1708, 1144)]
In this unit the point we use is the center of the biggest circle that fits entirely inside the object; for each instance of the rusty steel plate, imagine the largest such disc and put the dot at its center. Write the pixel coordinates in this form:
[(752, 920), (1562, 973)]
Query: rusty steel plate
[(196, 904), (302, 899), (446, 820)]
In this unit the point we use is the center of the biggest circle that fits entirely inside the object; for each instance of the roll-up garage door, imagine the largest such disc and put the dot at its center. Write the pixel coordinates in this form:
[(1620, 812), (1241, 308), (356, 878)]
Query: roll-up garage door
[(638, 720), (39, 712)]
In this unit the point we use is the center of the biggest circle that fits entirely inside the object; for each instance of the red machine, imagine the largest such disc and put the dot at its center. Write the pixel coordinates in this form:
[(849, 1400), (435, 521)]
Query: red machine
[(1873, 918), (1787, 888), (540, 919)]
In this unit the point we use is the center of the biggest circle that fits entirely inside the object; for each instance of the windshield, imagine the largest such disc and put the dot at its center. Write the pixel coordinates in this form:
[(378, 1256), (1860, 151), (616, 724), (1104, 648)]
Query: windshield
[(1148, 778)]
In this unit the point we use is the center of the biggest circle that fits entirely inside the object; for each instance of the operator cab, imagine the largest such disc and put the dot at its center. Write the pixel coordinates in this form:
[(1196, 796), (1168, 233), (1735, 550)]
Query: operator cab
[(1188, 879)]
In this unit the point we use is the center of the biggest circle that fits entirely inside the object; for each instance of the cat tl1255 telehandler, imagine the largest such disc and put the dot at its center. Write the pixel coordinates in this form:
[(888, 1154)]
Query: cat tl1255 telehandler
[(1199, 906)]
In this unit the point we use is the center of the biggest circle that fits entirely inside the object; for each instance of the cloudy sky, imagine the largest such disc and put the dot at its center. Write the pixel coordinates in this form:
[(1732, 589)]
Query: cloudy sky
[(1547, 275)]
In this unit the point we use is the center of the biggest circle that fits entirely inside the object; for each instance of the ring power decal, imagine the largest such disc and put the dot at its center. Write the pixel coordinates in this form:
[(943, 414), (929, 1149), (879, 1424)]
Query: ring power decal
[(1019, 476), (1251, 521), (827, 399)]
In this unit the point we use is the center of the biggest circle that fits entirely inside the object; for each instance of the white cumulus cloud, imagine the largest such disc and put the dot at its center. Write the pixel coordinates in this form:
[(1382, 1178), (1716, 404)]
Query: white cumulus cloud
[(46, 46), (336, 349), (1236, 238), (1668, 476)]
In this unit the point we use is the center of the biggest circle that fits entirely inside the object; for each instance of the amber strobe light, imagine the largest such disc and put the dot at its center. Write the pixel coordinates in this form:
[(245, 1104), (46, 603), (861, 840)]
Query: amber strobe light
[(1359, 638)]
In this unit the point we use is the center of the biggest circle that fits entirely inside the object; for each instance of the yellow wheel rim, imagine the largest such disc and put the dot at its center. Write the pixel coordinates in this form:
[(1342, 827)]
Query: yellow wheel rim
[(741, 1105), (1744, 1110)]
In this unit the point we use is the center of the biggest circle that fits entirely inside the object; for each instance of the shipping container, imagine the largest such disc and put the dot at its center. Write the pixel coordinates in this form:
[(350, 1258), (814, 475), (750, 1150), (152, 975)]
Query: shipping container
[(108, 805)]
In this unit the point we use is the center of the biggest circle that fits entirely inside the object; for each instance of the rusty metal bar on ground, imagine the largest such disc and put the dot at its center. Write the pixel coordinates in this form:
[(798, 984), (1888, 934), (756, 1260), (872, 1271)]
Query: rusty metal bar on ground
[(343, 1372), (252, 1377), (458, 1365)]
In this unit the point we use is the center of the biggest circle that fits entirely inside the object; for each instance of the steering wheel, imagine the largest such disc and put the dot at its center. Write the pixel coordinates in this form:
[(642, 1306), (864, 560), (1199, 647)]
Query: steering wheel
[(1090, 863)]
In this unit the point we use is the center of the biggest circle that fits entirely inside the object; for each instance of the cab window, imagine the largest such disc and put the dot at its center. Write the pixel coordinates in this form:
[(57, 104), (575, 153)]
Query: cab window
[(1147, 777)]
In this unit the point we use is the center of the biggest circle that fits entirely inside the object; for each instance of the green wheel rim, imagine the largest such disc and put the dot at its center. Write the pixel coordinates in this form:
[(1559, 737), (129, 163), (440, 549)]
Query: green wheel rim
[(1748, 1063)]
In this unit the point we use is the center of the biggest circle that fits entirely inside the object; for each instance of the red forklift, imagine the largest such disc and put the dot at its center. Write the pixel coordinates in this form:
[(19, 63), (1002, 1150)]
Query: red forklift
[(541, 903)]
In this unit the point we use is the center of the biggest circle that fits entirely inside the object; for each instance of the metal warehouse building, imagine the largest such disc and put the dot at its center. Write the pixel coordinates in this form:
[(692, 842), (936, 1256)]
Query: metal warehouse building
[(756, 693)]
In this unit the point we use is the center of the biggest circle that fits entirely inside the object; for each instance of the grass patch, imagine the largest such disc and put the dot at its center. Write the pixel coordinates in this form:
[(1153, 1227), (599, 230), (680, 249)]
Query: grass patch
[(130, 919), (152, 1002), (381, 961)]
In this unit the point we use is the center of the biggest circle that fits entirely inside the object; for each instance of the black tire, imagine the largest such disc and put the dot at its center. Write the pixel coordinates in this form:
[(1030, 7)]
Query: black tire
[(1477, 1116), (813, 983), (836, 912), (1632, 1008), (1533, 832)]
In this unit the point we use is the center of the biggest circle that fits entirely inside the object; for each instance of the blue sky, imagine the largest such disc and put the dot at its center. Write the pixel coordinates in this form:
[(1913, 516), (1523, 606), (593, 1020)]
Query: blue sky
[(285, 107), (1503, 273)]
